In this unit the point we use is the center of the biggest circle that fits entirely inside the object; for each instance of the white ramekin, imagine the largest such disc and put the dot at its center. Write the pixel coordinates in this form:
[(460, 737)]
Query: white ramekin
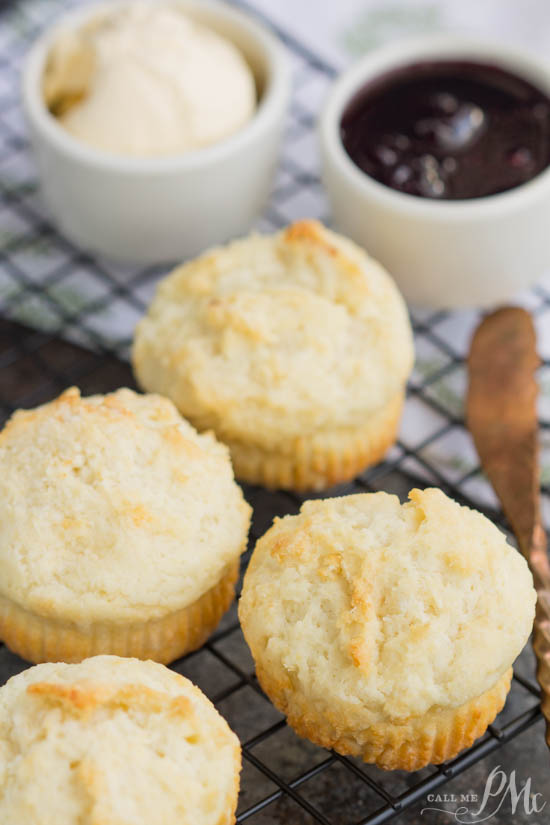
[(442, 253), (146, 210)]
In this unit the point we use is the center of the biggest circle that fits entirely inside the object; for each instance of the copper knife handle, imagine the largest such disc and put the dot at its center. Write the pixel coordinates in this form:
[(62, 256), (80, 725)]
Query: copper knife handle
[(501, 414)]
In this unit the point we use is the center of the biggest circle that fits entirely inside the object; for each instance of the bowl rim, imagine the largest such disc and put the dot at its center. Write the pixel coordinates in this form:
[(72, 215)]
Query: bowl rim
[(444, 46), (272, 100)]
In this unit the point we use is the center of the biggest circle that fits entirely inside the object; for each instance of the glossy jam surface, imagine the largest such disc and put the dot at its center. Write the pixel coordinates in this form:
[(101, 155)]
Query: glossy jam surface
[(449, 130)]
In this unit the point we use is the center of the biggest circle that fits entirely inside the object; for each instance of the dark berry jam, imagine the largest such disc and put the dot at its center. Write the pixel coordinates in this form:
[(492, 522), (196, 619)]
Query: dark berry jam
[(449, 130)]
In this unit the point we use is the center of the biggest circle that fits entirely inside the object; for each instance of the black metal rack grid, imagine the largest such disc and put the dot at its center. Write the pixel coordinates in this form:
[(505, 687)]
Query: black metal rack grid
[(285, 779)]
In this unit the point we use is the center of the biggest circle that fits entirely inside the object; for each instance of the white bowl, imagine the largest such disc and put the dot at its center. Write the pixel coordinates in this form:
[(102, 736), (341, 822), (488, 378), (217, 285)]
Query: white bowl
[(441, 253), (153, 210)]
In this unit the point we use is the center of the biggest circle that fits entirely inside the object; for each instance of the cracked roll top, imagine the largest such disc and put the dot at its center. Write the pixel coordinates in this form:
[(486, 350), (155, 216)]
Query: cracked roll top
[(374, 624), (113, 741), (121, 529), (294, 348)]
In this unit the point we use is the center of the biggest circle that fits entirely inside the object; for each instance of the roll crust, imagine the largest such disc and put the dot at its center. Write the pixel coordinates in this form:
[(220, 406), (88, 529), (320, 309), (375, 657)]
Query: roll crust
[(432, 738), (384, 630), (293, 348), (40, 639)]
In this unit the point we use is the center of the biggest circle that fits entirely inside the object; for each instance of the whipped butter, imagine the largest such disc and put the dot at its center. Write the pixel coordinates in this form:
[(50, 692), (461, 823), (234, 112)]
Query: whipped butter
[(146, 80)]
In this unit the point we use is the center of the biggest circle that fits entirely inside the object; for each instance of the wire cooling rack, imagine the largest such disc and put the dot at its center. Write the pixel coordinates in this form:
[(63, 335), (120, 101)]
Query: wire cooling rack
[(67, 319)]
